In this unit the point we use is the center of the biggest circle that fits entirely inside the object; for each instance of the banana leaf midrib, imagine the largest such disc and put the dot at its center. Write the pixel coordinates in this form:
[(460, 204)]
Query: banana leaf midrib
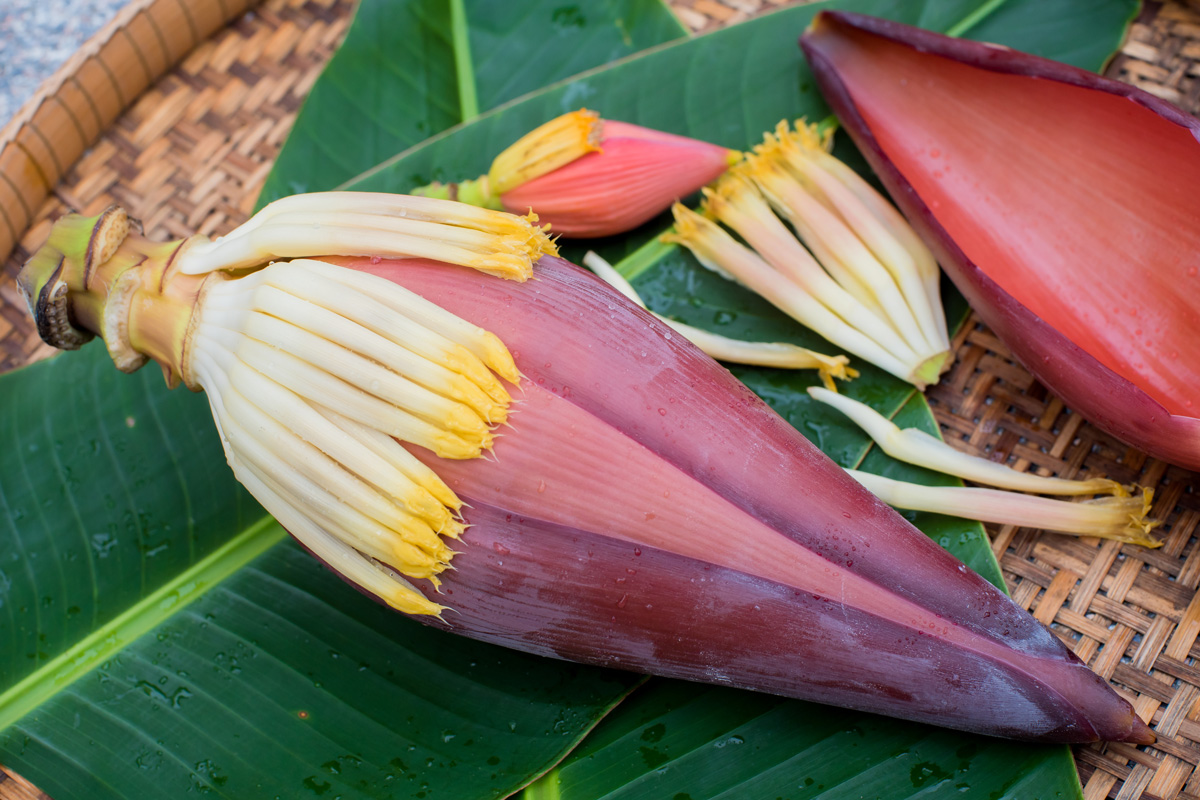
[(148, 613), (468, 95), (974, 18)]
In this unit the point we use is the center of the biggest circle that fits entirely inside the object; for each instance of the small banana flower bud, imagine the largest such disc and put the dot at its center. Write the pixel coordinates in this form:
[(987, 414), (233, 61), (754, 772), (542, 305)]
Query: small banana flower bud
[(586, 177)]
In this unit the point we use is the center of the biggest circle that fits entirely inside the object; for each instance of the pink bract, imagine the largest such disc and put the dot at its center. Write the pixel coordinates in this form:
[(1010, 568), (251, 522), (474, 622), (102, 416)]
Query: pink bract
[(1062, 204), (637, 175), (645, 510)]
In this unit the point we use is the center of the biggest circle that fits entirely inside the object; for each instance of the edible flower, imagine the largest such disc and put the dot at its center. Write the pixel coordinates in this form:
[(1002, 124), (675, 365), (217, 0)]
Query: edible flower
[(914, 446), (315, 374), (857, 274), (640, 507), (587, 177), (1120, 517)]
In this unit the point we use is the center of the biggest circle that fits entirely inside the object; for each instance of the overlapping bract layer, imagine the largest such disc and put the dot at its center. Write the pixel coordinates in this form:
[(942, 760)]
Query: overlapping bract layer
[(316, 375), (1062, 204), (648, 511)]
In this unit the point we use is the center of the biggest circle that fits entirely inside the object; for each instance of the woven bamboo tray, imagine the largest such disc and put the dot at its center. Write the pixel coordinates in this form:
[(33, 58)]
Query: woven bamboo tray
[(177, 110)]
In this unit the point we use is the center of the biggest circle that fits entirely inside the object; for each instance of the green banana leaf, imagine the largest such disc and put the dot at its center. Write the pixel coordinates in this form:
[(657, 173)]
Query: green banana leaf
[(892, 759), (408, 70), (157, 633)]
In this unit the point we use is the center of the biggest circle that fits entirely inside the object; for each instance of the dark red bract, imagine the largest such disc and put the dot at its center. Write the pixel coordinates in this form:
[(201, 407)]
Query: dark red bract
[(645, 510)]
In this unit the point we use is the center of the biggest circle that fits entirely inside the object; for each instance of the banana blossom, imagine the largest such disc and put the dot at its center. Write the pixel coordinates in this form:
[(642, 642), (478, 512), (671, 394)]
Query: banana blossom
[(639, 508)]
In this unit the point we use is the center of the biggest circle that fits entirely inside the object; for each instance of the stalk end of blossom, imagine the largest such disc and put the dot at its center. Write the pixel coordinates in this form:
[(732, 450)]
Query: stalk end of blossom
[(99, 276), (475, 192), (930, 370), (318, 375)]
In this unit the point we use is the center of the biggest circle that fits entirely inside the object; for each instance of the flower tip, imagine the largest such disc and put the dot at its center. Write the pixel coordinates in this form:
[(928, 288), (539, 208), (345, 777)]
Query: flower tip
[(834, 367), (928, 371), (1138, 524), (734, 185), (679, 210), (823, 25), (1140, 733), (1144, 540), (590, 126), (1142, 520), (410, 601), (688, 223), (546, 148), (539, 241)]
